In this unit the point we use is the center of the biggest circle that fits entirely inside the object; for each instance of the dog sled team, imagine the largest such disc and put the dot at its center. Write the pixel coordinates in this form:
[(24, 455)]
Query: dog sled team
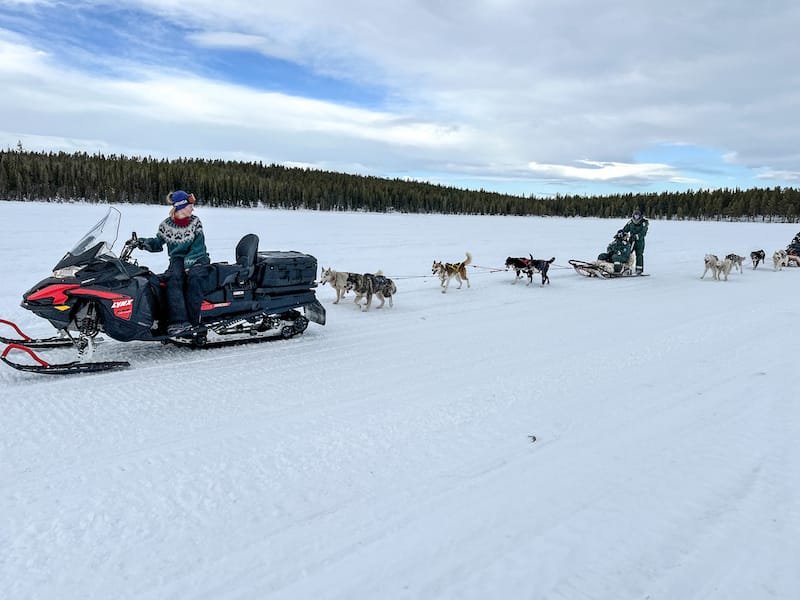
[(623, 257), (720, 268), (367, 285)]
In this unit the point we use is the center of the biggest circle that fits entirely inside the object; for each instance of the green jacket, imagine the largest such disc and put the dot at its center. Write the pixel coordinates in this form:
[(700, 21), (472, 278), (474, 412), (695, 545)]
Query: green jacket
[(188, 242), (637, 230), (618, 251)]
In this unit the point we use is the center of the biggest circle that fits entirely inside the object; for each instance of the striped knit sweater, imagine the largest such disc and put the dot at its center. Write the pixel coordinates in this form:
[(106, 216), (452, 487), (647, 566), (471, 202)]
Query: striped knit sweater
[(187, 241)]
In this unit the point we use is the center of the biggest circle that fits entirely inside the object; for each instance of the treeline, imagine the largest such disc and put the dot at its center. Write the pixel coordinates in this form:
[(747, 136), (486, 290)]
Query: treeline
[(63, 177)]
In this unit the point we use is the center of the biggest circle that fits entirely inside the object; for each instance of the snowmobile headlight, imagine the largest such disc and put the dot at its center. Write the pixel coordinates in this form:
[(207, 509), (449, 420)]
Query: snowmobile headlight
[(66, 272)]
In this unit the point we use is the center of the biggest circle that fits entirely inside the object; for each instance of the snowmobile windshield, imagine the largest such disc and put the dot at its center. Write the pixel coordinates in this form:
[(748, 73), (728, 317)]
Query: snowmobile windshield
[(96, 243)]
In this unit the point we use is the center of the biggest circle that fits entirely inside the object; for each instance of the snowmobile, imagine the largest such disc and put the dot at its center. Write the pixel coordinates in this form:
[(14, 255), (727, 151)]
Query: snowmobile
[(262, 296)]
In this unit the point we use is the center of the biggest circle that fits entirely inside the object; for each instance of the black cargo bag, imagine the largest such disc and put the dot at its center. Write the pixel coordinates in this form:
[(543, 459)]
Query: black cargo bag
[(285, 269)]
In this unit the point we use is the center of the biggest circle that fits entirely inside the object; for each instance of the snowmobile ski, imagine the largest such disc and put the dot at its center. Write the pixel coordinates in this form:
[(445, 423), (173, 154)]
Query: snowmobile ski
[(69, 368), (57, 341)]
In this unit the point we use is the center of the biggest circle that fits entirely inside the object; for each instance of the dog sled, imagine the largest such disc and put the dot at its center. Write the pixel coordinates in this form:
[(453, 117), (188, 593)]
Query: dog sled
[(603, 269), (606, 269)]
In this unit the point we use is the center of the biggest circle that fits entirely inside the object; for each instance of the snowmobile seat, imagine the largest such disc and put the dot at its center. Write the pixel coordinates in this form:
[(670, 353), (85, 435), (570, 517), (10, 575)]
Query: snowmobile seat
[(243, 269)]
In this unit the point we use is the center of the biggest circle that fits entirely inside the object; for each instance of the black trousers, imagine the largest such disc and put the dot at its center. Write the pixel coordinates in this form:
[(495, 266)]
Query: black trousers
[(186, 289)]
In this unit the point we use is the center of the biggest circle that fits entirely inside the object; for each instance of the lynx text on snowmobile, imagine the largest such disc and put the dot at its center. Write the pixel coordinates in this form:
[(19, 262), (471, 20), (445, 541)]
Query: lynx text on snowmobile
[(263, 295)]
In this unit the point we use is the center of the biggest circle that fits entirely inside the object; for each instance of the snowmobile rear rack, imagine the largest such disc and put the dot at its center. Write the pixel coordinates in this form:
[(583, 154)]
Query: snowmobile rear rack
[(69, 368)]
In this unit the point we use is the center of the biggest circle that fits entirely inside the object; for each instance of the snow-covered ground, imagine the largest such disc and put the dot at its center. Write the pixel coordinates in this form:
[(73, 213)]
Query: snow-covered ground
[(388, 454)]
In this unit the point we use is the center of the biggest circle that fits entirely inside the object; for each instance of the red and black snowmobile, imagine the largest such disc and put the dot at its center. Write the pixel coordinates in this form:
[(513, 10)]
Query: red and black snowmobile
[(263, 295)]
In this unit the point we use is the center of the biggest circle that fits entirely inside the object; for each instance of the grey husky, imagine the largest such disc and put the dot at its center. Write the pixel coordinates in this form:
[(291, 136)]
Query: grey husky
[(370, 284)]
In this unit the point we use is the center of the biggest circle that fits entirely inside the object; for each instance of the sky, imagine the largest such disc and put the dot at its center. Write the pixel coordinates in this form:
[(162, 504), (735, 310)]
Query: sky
[(527, 98), (390, 453)]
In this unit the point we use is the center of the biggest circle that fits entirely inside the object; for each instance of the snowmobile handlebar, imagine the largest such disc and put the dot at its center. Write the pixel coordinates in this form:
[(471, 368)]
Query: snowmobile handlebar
[(129, 247)]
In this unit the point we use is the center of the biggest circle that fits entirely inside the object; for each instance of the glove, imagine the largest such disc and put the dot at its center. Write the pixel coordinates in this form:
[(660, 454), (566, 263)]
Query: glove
[(138, 243)]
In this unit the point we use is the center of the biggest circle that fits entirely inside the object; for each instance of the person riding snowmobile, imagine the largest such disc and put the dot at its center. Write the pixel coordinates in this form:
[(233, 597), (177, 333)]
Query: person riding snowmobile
[(618, 251), (182, 233)]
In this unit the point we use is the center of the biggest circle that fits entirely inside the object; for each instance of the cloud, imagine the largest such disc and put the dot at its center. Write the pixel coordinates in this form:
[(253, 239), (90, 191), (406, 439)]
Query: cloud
[(487, 91), (611, 171), (792, 177), (243, 41), (182, 99)]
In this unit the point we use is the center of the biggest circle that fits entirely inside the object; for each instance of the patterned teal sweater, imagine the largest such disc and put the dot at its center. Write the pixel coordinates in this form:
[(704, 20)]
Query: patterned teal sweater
[(187, 242)]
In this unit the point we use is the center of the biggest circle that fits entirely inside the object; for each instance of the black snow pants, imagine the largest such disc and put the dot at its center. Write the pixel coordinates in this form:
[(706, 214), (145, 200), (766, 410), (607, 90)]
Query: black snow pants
[(186, 289)]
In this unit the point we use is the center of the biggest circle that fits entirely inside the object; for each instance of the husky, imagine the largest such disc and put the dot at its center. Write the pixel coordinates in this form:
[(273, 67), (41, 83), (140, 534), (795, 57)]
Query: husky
[(520, 266), (446, 272), (780, 259), (757, 256), (338, 281), (539, 266), (369, 284), (713, 264), (723, 268), (736, 260)]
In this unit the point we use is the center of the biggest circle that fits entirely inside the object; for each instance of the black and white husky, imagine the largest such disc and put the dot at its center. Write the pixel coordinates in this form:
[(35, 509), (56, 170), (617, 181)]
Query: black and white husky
[(736, 261), (520, 266), (757, 256), (538, 265), (369, 284)]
